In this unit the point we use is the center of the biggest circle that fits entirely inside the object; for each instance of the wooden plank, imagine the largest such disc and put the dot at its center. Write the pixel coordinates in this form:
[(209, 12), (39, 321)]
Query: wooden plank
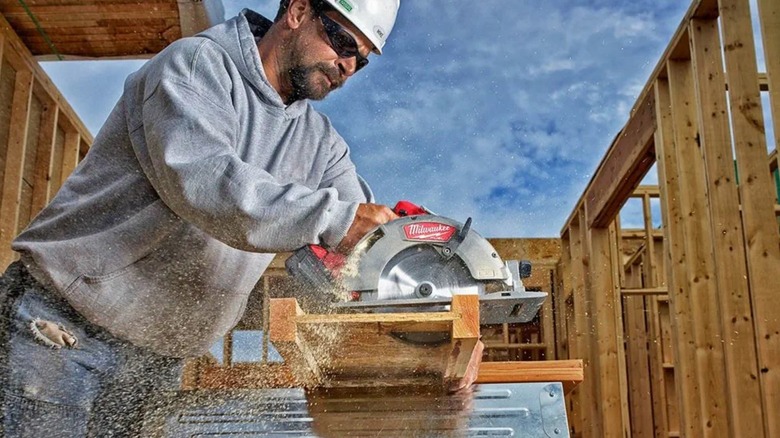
[(638, 364), (616, 269), (644, 291), (686, 382), (57, 153), (88, 9), (14, 164), (30, 157), (649, 268), (757, 194), (70, 154), (744, 392), (700, 268), (612, 405), (569, 372), (769, 19), (581, 343), (657, 374), (341, 349), (465, 335), (43, 163), (627, 162)]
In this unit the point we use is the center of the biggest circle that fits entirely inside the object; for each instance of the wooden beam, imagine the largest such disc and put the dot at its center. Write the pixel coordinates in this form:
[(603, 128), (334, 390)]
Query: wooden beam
[(44, 159), (700, 269), (638, 366), (14, 164), (70, 154), (644, 291), (686, 382), (578, 344), (744, 392), (613, 406), (757, 194), (569, 372), (465, 335), (628, 160)]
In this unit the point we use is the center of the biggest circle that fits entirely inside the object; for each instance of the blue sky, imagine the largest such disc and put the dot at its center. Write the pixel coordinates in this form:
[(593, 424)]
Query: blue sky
[(497, 109)]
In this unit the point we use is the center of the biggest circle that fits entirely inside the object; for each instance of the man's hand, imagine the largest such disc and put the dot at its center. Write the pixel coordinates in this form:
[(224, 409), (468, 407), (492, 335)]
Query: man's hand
[(472, 371), (367, 217)]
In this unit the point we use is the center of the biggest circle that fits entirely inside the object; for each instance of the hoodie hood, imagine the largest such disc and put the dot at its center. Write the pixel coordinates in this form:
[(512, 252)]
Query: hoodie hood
[(248, 28)]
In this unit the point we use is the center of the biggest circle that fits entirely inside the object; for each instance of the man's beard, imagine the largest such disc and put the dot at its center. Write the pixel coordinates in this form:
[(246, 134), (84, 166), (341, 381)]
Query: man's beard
[(305, 85)]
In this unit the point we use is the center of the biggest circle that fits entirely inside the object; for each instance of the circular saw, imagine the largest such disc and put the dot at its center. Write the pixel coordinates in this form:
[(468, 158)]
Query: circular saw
[(417, 263)]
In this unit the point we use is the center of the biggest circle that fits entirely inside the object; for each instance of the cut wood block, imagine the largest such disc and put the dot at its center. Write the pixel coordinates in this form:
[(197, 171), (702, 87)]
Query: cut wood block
[(568, 372), (364, 350)]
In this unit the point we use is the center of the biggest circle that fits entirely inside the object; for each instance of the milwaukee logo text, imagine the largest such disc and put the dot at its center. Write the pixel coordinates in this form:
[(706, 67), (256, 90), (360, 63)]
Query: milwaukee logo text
[(429, 231)]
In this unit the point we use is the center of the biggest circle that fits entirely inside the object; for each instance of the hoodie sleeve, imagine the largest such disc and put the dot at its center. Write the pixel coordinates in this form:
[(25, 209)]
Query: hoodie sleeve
[(188, 136), (342, 176)]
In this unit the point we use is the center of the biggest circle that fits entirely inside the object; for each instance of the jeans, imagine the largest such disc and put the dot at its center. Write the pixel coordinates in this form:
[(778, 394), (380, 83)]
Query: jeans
[(65, 377)]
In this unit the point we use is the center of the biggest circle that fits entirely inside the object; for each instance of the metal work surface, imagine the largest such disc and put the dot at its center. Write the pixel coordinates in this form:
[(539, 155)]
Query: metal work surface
[(492, 410)]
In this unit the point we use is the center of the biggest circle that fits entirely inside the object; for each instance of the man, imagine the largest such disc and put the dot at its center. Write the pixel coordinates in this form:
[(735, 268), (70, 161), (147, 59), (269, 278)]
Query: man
[(211, 161)]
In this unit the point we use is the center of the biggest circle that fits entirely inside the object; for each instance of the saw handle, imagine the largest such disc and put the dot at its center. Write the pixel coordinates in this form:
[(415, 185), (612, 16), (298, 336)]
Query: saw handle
[(333, 261), (406, 208)]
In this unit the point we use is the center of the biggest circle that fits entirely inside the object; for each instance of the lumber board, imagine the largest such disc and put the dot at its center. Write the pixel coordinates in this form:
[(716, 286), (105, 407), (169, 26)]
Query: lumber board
[(14, 163), (651, 276), (580, 344), (700, 269), (660, 398), (628, 160), (726, 233), (686, 385), (465, 335), (569, 372), (30, 156), (87, 9), (757, 194), (70, 154), (638, 364), (363, 350)]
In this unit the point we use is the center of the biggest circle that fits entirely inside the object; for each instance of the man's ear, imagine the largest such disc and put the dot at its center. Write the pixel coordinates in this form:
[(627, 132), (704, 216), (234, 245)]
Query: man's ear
[(297, 13)]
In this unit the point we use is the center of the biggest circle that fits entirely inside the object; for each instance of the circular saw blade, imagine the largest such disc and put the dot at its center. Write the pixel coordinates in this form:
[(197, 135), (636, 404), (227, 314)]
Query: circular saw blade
[(421, 272)]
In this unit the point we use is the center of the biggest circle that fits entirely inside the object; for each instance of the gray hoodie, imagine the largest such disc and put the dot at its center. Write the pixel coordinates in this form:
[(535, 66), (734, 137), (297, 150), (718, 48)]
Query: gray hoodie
[(198, 176)]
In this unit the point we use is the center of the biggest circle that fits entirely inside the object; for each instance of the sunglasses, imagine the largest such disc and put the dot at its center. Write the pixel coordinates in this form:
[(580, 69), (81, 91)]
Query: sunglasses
[(342, 42)]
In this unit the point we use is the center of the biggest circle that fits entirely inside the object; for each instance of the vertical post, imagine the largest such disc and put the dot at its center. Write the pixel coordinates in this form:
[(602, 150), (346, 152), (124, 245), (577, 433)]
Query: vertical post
[(465, 334), (757, 195), (70, 154), (578, 344), (44, 158), (14, 164), (686, 380), (608, 341), (700, 270), (739, 343)]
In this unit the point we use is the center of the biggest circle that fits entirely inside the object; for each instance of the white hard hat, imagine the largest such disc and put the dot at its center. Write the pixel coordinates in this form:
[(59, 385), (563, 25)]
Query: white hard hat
[(375, 18)]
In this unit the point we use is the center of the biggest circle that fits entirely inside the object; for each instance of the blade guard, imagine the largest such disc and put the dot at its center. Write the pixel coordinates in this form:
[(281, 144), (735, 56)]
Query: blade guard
[(378, 247)]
